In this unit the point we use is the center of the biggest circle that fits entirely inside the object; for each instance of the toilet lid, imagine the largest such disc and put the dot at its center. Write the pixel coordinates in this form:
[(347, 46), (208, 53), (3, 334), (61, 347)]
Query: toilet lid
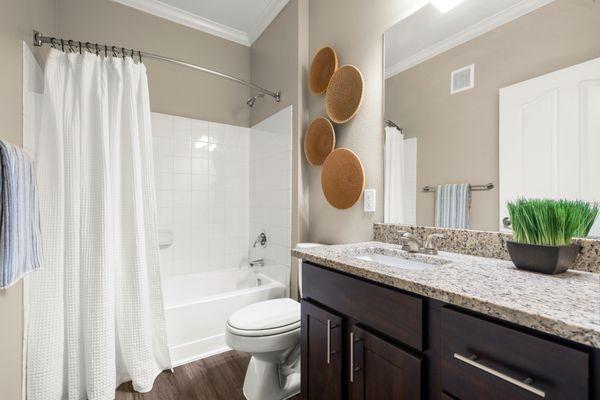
[(267, 315)]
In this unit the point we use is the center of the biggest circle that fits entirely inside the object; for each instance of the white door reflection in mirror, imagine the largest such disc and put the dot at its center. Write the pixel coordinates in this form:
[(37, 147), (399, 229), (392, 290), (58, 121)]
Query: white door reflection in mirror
[(550, 137)]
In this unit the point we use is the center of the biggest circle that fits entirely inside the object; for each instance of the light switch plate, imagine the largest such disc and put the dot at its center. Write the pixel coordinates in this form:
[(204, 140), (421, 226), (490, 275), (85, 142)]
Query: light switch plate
[(369, 200)]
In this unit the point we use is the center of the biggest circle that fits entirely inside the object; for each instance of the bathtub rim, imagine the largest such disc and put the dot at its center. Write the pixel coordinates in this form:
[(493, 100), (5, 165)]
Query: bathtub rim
[(268, 283)]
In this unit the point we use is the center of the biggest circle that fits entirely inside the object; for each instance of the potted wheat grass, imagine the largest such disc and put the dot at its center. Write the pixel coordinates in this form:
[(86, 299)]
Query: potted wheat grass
[(543, 232)]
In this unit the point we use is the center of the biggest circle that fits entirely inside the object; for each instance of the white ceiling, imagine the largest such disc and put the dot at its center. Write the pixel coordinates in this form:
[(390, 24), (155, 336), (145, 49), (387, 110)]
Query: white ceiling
[(241, 21), (428, 32)]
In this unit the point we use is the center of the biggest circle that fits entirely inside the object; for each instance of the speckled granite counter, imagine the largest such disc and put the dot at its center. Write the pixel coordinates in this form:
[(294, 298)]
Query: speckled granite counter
[(565, 305)]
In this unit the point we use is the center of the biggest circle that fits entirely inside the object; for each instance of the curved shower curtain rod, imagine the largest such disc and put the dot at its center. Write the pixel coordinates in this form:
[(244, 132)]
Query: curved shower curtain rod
[(76, 46)]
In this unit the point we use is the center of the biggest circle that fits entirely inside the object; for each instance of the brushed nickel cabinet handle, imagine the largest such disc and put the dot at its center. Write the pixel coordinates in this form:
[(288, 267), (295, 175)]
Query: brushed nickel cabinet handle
[(328, 341), (351, 356), (353, 369), (526, 385)]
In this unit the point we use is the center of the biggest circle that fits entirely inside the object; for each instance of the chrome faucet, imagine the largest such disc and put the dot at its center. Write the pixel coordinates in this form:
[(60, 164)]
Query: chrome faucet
[(259, 262), (412, 244), (261, 239), (431, 243)]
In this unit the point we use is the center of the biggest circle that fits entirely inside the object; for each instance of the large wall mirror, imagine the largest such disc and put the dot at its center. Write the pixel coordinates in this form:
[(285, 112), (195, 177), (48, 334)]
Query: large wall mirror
[(501, 97)]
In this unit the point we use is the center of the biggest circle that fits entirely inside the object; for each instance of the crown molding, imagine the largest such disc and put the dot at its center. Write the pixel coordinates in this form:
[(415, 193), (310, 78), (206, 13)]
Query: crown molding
[(265, 18), (488, 24), (179, 16)]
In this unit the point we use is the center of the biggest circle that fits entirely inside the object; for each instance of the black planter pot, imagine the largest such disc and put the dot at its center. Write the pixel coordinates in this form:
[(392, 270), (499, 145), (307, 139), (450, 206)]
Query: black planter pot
[(545, 259)]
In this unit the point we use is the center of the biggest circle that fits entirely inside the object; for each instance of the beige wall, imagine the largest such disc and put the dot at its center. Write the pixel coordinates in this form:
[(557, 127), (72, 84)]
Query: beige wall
[(355, 29), (17, 20), (173, 89), (458, 134), (277, 60)]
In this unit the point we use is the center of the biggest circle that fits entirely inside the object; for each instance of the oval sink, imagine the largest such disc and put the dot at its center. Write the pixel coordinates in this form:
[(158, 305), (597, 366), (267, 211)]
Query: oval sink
[(398, 262)]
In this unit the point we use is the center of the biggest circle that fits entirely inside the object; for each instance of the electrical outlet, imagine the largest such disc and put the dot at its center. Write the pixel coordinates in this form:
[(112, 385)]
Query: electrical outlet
[(369, 200)]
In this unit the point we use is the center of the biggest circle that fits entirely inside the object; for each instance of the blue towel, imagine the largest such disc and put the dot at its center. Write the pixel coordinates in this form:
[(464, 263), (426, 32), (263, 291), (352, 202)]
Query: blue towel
[(20, 238), (452, 204)]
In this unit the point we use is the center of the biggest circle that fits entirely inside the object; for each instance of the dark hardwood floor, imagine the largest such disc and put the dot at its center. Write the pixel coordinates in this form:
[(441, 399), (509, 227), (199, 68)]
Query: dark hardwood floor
[(220, 377)]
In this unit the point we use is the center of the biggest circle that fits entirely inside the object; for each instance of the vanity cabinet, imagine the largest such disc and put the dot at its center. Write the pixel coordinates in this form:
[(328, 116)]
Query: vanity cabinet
[(365, 367), (364, 340), (359, 340), (321, 353), (380, 370), (482, 359)]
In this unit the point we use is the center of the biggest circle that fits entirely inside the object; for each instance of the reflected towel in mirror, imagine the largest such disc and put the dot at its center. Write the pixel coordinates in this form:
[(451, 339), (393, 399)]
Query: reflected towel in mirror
[(452, 204)]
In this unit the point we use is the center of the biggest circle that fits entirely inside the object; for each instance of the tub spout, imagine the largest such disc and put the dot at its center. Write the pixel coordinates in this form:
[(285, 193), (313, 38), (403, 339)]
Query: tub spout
[(257, 263)]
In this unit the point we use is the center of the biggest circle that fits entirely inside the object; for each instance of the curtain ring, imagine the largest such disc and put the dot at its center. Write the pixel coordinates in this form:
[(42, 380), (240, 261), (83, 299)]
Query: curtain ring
[(80, 52), (97, 51), (140, 55), (70, 46), (105, 51), (113, 50), (52, 43), (132, 54), (123, 52), (62, 44), (87, 46)]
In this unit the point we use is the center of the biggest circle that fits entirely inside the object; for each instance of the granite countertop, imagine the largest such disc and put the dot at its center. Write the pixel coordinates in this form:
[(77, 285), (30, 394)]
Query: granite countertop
[(566, 305)]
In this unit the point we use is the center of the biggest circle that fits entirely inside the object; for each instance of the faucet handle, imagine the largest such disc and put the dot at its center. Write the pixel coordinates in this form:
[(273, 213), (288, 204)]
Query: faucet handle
[(430, 243), (412, 242)]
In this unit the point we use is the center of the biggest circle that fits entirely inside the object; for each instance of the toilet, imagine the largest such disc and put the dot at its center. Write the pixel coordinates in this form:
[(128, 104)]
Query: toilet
[(270, 332)]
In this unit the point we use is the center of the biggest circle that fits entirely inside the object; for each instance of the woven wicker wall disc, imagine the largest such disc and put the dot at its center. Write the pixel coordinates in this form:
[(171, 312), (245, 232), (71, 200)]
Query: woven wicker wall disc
[(344, 94), (319, 141), (324, 64), (342, 178)]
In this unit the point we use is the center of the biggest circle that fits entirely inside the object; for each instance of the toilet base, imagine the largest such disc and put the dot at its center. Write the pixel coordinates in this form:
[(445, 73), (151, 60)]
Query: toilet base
[(268, 380)]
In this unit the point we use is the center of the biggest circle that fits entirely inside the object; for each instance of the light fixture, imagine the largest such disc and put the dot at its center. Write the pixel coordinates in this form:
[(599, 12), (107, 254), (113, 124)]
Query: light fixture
[(445, 5)]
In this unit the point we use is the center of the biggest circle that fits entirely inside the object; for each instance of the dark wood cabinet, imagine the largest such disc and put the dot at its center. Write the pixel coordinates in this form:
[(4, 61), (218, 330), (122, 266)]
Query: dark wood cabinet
[(365, 341), (482, 359), (380, 370), (321, 353)]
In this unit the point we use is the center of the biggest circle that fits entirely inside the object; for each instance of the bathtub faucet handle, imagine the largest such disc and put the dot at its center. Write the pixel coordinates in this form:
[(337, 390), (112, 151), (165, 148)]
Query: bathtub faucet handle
[(262, 239), (257, 263)]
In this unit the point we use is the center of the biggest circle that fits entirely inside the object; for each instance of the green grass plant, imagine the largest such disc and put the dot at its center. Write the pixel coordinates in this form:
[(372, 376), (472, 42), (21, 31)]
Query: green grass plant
[(551, 222)]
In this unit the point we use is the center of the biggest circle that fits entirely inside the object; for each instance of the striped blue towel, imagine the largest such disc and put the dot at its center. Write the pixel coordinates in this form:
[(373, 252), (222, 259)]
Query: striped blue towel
[(452, 204), (20, 238)]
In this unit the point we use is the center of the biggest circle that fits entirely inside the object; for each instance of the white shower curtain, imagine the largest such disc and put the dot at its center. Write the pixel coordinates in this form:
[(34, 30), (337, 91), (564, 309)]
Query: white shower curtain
[(96, 315), (394, 177)]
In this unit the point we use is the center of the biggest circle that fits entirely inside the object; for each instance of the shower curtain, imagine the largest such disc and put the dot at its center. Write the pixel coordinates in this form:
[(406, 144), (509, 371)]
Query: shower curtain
[(394, 183), (95, 307)]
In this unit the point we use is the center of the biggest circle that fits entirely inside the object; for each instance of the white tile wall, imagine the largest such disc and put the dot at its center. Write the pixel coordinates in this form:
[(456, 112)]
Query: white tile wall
[(202, 172), (270, 187)]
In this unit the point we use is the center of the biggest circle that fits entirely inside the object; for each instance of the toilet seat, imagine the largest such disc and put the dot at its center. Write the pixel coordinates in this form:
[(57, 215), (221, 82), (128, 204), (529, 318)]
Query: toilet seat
[(266, 318), (263, 332)]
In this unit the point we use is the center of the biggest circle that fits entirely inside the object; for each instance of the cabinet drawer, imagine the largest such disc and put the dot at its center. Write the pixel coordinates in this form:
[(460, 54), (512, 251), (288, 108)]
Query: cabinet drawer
[(386, 310), (482, 359)]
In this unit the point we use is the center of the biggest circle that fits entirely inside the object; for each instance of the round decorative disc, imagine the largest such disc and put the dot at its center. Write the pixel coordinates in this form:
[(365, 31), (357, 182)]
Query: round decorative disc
[(319, 141), (344, 94), (324, 64), (342, 178)]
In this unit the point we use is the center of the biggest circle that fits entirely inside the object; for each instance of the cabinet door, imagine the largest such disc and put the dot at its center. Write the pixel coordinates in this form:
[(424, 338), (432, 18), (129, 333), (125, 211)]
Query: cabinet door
[(379, 370), (321, 353)]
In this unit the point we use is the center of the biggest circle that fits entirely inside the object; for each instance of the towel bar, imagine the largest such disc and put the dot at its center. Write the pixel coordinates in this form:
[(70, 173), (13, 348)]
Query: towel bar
[(489, 186)]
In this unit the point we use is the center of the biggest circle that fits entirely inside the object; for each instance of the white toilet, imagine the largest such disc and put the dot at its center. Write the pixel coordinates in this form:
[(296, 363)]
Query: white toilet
[(270, 332)]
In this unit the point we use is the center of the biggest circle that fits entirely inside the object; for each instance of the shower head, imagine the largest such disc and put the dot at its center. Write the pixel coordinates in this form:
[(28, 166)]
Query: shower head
[(252, 100)]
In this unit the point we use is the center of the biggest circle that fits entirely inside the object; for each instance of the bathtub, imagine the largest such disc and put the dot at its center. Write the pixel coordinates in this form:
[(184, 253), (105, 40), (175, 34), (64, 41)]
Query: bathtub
[(197, 307)]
